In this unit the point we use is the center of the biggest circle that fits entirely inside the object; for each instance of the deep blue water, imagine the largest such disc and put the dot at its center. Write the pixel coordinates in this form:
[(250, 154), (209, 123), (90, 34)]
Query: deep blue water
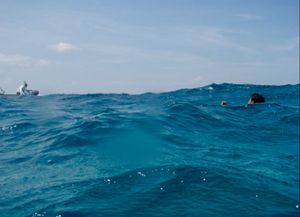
[(169, 154)]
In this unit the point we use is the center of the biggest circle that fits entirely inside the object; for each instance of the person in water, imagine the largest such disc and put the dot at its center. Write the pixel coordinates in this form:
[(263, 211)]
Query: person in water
[(254, 99), (23, 89)]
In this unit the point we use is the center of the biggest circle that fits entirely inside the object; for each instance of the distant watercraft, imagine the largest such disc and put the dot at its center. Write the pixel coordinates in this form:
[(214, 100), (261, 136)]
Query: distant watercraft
[(33, 92), (2, 91), (29, 93)]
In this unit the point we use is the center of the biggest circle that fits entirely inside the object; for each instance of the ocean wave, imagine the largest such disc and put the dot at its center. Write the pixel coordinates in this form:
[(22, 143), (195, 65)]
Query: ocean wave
[(170, 154)]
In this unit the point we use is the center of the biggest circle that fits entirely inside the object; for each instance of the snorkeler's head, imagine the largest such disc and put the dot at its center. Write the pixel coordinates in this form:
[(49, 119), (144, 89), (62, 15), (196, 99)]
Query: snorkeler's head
[(256, 98)]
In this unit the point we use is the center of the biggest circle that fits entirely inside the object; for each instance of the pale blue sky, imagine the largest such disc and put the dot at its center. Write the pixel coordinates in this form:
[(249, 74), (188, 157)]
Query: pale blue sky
[(134, 46)]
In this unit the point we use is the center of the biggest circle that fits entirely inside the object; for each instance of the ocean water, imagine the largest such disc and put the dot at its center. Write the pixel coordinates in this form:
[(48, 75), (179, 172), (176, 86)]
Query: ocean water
[(171, 154)]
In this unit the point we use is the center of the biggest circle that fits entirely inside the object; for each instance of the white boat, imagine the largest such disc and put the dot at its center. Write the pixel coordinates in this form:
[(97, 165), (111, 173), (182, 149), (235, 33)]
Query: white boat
[(29, 93)]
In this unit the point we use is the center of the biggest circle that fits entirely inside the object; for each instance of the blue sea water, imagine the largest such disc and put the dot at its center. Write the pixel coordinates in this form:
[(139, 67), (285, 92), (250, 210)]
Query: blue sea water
[(171, 154)]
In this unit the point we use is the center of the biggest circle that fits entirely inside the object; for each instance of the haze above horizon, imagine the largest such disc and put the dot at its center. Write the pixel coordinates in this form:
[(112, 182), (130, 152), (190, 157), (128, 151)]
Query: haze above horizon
[(135, 46)]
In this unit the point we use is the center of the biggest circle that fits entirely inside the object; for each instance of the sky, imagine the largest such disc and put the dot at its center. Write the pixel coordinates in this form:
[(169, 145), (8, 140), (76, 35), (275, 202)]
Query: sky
[(135, 46)]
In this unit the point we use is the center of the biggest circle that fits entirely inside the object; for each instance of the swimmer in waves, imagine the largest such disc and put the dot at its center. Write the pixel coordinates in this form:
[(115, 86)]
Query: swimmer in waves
[(254, 99)]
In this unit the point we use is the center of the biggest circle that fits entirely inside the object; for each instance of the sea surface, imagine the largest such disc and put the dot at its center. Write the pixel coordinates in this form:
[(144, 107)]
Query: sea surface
[(170, 154)]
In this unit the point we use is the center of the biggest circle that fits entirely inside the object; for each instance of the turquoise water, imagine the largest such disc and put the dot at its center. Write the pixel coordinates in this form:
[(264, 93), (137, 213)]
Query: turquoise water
[(168, 154)]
